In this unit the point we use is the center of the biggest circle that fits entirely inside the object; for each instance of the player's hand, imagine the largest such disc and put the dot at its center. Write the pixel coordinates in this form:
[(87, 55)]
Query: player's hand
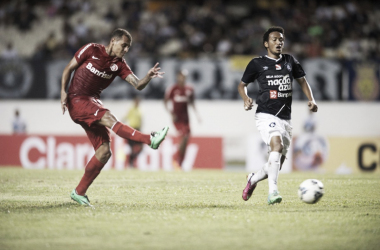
[(312, 106), (248, 104), (63, 102), (155, 72)]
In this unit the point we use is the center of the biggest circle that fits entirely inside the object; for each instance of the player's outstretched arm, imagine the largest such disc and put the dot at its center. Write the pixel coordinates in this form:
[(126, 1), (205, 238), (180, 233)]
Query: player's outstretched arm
[(309, 94), (70, 67), (248, 102), (140, 84)]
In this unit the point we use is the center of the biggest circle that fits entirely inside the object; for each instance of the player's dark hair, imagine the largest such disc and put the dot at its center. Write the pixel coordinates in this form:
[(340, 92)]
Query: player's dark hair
[(119, 33), (270, 30)]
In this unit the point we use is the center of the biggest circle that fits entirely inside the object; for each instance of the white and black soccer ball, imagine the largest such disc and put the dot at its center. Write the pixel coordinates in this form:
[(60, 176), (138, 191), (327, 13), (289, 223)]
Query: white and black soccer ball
[(311, 191)]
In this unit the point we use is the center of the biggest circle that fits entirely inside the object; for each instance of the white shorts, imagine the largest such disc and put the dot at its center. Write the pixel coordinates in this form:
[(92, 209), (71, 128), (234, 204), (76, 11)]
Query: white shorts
[(270, 125)]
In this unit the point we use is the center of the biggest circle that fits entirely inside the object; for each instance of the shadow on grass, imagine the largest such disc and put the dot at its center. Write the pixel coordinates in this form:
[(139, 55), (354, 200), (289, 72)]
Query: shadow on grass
[(22, 206), (10, 207), (187, 206), (160, 206)]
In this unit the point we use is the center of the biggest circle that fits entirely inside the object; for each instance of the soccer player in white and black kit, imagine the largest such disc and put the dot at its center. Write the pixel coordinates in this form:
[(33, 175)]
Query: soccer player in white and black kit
[(274, 73)]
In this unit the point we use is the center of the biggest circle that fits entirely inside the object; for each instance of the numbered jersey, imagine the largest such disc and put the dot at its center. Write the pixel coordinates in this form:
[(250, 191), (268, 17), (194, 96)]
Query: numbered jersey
[(275, 79)]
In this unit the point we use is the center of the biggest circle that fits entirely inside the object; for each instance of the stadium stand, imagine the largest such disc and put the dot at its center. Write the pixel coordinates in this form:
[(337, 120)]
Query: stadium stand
[(57, 28)]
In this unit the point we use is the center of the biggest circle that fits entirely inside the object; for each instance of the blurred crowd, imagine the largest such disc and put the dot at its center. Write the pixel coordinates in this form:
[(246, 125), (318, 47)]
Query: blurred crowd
[(333, 29)]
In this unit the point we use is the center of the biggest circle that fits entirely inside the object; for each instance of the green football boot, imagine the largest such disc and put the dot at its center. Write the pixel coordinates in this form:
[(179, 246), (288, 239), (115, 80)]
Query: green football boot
[(82, 200), (274, 198), (157, 137)]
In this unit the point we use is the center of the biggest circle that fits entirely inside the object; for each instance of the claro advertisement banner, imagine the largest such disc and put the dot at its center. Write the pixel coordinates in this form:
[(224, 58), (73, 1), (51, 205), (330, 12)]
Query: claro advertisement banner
[(352, 155), (312, 152), (73, 152), (340, 155)]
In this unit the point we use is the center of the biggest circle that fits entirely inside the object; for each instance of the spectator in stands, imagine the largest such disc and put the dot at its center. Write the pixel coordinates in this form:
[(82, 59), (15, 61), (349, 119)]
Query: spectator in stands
[(51, 44), (81, 29), (194, 28), (9, 53), (24, 17), (110, 16)]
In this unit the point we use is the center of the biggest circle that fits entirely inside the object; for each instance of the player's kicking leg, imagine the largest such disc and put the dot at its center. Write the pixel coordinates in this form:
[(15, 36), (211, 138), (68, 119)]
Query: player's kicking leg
[(157, 137), (97, 162), (124, 131), (103, 152)]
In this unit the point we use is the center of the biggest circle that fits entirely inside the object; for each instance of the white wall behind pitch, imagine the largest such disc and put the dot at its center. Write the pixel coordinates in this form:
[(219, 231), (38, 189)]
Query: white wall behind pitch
[(227, 119)]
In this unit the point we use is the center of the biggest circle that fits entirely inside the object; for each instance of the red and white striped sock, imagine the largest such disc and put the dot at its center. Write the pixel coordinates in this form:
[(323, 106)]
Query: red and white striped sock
[(127, 132)]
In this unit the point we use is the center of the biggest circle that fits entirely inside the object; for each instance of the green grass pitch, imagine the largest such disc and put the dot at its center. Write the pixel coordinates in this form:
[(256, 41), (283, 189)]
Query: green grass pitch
[(178, 210)]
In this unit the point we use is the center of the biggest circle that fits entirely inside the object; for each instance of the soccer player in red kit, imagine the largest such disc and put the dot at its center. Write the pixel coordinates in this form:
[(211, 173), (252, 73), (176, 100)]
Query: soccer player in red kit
[(180, 95), (96, 66)]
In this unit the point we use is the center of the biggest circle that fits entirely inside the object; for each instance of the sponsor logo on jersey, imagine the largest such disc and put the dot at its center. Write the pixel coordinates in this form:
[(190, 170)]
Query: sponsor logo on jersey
[(113, 67), (278, 67), (97, 72), (275, 76), (286, 95), (93, 57), (273, 94), (83, 50), (289, 67), (265, 67), (285, 83), (272, 124)]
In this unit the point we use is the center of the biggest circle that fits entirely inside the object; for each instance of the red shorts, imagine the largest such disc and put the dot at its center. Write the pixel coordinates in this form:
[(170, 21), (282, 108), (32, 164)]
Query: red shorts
[(183, 128), (85, 111)]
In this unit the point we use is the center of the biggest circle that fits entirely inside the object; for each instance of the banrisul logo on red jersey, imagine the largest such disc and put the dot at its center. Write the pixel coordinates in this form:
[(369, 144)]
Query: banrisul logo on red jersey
[(97, 72), (73, 152)]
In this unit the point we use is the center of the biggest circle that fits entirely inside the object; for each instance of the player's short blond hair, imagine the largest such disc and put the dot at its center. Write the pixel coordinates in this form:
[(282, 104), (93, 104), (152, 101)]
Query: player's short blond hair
[(119, 33)]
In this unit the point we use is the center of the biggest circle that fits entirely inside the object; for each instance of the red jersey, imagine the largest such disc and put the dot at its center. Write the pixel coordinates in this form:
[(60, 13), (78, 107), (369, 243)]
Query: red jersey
[(180, 97), (96, 70)]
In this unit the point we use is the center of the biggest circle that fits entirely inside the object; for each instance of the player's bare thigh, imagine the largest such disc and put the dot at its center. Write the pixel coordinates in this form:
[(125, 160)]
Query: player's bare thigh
[(276, 144), (108, 120)]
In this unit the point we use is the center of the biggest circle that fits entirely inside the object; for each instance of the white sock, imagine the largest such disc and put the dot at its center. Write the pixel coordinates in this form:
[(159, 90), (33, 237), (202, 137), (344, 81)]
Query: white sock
[(273, 168), (262, 174)]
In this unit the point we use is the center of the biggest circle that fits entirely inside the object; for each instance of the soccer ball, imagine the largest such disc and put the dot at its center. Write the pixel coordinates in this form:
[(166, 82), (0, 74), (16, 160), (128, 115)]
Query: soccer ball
[(311, 191)]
